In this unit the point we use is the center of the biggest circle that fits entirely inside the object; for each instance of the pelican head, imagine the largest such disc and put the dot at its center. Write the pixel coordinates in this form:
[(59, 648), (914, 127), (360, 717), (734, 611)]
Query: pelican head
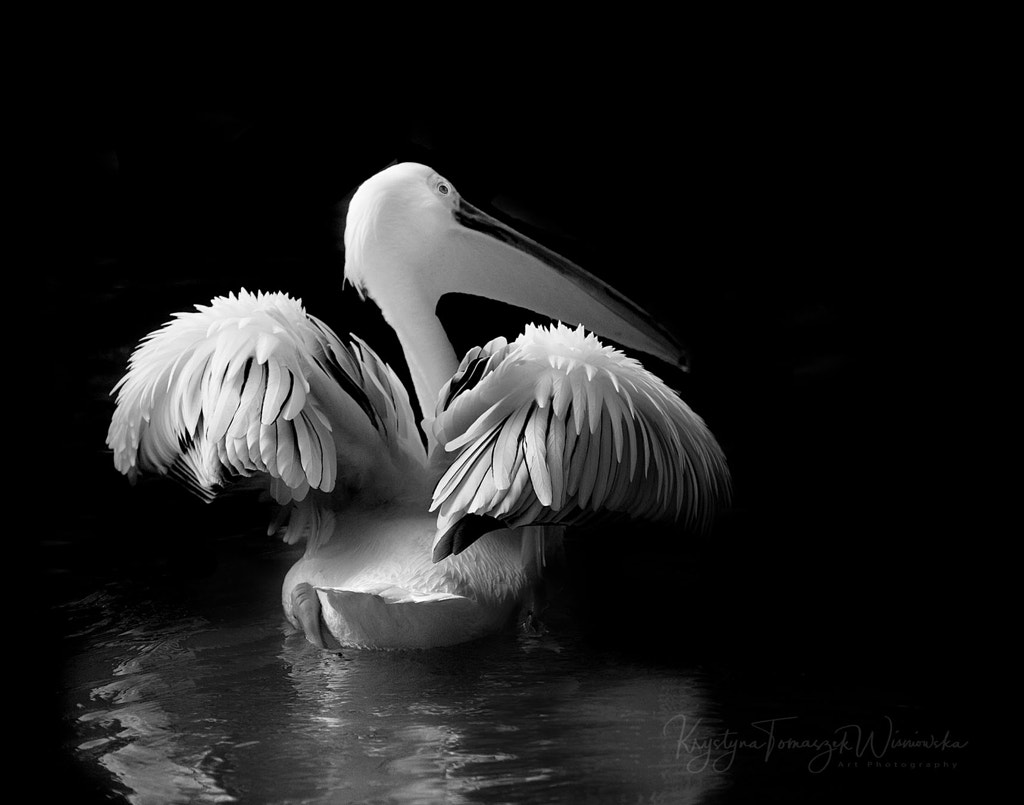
[(395, 219), (410, 238)]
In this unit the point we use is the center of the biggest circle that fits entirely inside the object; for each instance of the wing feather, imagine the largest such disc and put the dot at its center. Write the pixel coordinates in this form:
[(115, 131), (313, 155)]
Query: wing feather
[(520, 480), (251, 384), (268, 449), (579, 459), (605, 467), (554, 447), (535, 445), (278, 381), (588, 472), (557, 428)]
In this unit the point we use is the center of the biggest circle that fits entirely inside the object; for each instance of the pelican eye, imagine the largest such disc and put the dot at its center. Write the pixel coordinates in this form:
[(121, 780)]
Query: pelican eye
[(443, 188)]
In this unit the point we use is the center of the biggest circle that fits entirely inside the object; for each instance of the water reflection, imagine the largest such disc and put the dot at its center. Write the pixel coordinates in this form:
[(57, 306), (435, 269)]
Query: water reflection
[(178, 707), (128, 729)]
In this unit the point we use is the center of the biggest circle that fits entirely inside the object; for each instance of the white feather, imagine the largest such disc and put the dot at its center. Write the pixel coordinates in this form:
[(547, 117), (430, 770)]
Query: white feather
[(550, 464), (239, 386)]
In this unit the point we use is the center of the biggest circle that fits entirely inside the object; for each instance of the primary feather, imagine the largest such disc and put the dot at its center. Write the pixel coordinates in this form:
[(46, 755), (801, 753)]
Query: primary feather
[(252, 384), (557, 427)]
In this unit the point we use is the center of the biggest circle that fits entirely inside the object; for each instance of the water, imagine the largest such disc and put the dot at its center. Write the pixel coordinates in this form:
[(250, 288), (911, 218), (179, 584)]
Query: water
[(191, 687), (219, 700)]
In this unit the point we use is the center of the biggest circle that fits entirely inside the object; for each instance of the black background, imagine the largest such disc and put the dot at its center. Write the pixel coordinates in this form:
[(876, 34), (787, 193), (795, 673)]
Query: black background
[(775, 207)]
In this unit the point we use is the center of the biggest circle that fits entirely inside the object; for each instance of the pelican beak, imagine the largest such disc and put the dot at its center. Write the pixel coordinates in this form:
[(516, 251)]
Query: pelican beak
[(497, 262)]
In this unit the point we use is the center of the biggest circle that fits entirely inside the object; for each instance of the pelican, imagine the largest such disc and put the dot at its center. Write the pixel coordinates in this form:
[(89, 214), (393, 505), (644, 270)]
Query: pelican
[(438, 532)]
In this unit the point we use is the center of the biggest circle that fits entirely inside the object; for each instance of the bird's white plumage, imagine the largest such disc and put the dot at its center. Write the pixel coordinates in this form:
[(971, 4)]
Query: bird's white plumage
[(525, 438), (557, 427), (251, 384)]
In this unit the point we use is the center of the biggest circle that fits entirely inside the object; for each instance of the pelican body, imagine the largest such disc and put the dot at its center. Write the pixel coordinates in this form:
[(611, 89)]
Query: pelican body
[(435, 532)]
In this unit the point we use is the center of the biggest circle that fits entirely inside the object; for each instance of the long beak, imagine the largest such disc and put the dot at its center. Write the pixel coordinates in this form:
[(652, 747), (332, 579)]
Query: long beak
[(495, 261)]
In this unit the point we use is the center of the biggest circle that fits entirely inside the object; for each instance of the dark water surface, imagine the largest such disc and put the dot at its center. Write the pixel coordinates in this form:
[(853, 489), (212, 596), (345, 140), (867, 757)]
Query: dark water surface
[(223, 703), (195, 689)]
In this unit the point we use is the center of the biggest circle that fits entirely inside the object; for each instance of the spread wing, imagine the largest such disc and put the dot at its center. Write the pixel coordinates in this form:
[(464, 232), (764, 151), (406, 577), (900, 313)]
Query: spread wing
[(251, 386), (556, 428)]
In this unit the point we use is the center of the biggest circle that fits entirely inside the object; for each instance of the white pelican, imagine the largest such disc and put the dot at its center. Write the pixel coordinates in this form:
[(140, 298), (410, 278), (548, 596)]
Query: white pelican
[(522, 438)]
